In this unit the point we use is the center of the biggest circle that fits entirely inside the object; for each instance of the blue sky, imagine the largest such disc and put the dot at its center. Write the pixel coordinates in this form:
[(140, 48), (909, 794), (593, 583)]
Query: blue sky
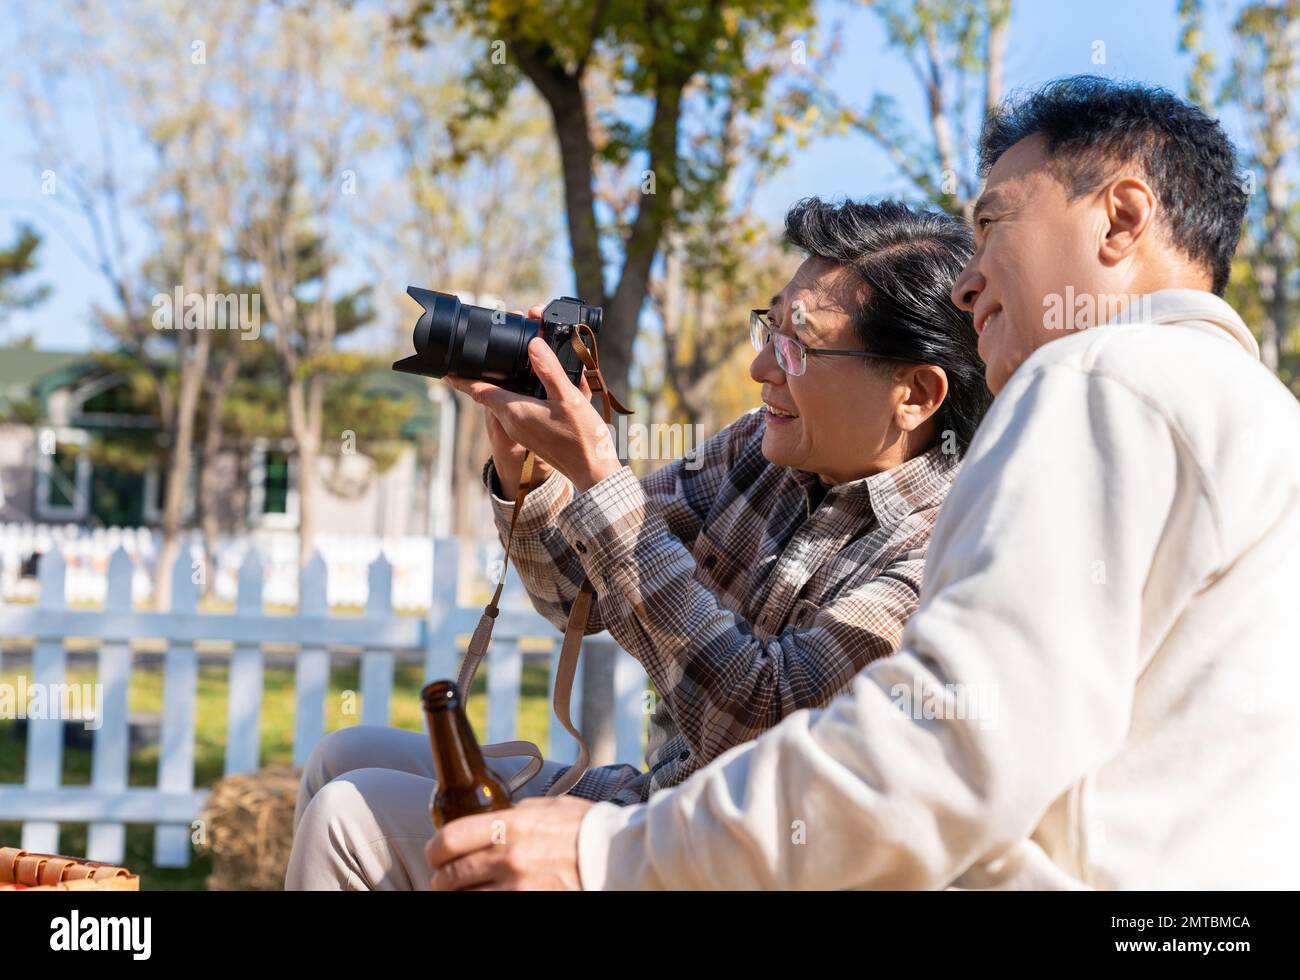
[(1048, 38)]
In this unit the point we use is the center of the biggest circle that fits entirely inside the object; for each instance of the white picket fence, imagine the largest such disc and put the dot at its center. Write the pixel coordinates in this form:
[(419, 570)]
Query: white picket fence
[(87, 551), (108, 803)]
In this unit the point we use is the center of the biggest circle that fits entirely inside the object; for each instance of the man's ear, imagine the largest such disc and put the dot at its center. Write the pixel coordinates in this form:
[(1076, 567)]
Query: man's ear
[(1130, 211), (925, 387)]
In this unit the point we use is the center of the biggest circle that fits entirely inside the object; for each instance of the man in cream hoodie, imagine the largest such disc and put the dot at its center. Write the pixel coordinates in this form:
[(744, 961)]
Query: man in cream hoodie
[(1098, 689)]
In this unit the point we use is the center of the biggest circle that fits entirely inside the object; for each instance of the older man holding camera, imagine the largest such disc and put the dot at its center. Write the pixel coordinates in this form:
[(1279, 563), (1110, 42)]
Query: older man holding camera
[(752, 581)]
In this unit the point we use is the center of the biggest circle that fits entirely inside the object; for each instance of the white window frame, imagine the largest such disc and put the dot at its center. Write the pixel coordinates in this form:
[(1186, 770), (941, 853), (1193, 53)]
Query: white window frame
[(78, 397), (149, 514), (79, 509), (288, 521)]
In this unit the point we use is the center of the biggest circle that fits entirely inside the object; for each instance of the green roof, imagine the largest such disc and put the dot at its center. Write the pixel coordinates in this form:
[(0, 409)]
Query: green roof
[(26, 373), (22, 367)]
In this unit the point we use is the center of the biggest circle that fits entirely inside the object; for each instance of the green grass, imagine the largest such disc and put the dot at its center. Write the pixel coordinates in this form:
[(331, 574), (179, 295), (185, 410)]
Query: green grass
[(276, 741)]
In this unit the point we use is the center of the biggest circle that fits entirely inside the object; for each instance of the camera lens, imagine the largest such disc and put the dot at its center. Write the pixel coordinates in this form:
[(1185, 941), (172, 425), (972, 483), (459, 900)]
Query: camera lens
[(452, 337), (490, 344)]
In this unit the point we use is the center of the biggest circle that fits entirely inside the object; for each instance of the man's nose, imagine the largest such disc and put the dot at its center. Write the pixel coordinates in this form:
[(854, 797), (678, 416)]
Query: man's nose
[(966, 290), (764, 369)]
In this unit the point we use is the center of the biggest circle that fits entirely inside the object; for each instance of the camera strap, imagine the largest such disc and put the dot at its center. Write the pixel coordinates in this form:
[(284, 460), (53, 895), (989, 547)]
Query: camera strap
[(574, 630)]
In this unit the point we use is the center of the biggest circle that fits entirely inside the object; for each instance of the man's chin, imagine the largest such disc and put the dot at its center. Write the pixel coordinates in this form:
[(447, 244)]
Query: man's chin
[(999, 371), (775, 449)]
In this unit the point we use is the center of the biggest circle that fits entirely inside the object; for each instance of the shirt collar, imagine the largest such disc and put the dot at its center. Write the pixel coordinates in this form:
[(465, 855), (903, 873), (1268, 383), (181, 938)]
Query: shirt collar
[(893, 494)]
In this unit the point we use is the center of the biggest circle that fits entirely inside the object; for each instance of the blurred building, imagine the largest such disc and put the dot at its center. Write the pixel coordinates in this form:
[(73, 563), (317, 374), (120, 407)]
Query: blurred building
[(61, 414)]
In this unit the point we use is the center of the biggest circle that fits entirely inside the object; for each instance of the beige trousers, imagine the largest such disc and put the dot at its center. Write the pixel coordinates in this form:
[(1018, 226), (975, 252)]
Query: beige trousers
[(362, 818)]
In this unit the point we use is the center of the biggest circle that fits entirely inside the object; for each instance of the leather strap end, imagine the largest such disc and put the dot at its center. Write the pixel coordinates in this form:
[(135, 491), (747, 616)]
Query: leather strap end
[(506, 750), (482, 634), (565, 672)]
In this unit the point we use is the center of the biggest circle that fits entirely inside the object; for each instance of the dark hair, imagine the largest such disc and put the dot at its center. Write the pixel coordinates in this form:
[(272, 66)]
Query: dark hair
[(1092, 125), (909, 259)]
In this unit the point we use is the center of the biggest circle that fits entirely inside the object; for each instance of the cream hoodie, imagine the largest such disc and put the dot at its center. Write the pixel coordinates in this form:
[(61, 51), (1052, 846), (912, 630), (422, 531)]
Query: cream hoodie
[(1100, 686)]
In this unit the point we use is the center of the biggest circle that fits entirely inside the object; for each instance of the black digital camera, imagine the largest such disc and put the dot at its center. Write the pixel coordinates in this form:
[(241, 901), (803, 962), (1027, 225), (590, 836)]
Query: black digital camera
[(452, 337)]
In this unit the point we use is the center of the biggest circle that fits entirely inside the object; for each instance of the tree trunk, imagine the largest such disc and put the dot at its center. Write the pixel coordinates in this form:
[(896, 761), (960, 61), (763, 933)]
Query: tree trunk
[(471, 452), (308, 455), (563, 94), (209, 520), (304, 422), (643, 241), (187, 402)]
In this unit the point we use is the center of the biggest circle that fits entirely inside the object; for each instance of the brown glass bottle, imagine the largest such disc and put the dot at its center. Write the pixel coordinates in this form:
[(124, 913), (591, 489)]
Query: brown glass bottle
[(465, 784)]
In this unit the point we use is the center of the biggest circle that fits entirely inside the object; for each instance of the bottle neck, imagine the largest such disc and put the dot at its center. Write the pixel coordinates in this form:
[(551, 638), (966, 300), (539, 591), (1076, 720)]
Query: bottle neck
[(456, 755)]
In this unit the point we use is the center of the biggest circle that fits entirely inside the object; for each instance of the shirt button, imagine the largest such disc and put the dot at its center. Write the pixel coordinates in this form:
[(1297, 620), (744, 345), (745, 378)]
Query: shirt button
[(580, 547), (710, 561)]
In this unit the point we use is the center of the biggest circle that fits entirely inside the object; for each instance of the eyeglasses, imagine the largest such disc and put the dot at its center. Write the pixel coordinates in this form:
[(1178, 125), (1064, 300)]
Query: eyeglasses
[(791, 356)]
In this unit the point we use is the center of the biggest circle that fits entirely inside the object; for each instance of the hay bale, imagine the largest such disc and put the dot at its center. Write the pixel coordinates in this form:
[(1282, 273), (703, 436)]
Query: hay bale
[(249, 824)]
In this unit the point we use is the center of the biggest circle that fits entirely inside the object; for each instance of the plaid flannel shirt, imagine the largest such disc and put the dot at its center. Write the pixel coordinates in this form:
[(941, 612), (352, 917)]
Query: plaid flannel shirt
[(744, 599)]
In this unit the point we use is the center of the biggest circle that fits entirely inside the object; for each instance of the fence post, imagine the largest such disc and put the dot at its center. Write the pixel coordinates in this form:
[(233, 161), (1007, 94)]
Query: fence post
[(45, 735), (244, 707), (171, 842), (597, 724), (107, 839), (312, 676), (377, 665), (504, 675), (439, 640)]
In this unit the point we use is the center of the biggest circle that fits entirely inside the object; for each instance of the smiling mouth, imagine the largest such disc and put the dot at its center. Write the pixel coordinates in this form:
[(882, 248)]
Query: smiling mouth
[(779, 413), (982, 323)]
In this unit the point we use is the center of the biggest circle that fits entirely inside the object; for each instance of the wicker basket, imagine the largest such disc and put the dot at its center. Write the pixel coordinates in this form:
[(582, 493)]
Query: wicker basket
[(23, 871)]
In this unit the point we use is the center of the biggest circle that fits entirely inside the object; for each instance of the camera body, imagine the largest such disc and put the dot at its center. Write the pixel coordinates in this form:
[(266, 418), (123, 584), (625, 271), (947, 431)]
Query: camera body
[(475, 342)]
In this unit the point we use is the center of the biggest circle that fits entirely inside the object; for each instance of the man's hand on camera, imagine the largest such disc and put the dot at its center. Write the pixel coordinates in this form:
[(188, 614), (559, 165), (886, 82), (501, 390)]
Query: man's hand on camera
[(565, 429)]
